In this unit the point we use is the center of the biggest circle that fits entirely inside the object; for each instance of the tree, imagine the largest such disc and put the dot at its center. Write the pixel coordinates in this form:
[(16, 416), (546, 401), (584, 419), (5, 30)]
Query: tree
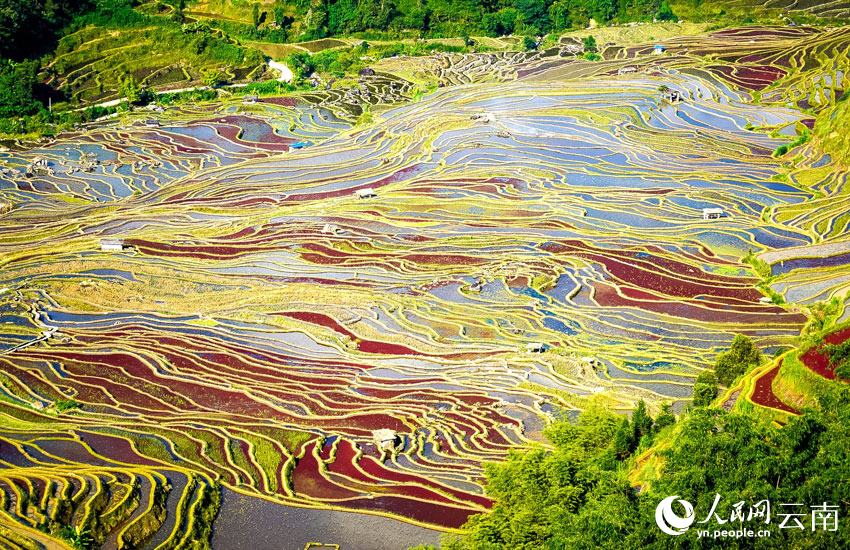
[(567, 498), (590, 44), (78, 537), (529, 43), (492, 24), (279, 15), (839, 359), (418, 19), (18, 83), (255, 15), (665, 13), (665, 418), (560, 15), (212, 77), (705, 389), (539, 492), (821, 314), (641, 421), (318, 27), (743, 458), (533, 13), (28, 26), (508, 18), (178, 15), (604, 10), (664, 88), (344, 17), (741, 356), (624, 440), (130, 89), (301, 64)]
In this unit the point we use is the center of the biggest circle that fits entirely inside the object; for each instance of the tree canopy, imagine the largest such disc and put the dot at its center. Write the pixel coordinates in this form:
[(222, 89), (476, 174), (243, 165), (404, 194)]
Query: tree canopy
[(455, 17), (578, 495), (18, 83), (741, 356), (705, 389), (29, 25)]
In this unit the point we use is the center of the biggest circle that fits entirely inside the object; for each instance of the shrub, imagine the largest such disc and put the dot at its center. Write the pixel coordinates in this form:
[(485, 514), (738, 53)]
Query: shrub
[(269, 87), (130, 89), (839, 359), (665, 418), (64, 405), (781, 150), (705, 389), (213, 77)]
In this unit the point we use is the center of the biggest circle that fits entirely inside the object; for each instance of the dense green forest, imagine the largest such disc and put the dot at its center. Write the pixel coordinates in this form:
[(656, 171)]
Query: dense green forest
[(440, 18), (578, 494), (494, 18), (28, 27)]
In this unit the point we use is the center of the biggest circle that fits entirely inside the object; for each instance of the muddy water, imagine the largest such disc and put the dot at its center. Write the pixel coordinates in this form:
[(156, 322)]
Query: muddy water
[(251, 523)]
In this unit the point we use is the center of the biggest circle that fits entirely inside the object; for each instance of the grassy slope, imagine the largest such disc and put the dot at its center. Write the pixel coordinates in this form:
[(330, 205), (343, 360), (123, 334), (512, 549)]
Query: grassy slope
[(833, 132), (89, 63), (795, 384)]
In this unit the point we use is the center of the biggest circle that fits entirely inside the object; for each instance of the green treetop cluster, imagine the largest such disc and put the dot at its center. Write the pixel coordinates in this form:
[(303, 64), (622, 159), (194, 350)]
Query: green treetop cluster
[(579, 493), (439, 18)]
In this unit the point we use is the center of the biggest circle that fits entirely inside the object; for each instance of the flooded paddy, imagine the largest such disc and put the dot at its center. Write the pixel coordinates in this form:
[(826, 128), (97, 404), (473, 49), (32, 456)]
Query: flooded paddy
[(460, 271), (291, 527)]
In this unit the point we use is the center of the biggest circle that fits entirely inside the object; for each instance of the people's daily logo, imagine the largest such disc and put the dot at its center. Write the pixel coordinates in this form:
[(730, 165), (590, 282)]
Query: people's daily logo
[(669, 521), (675, 516)]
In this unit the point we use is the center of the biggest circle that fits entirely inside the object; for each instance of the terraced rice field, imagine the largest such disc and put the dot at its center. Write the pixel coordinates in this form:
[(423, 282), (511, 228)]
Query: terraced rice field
[(91, 62), (262, 320)]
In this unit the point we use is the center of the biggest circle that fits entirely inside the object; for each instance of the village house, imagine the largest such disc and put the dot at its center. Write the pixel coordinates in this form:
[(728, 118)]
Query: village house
[(483, 117), (712, 213), (366, 71), (249, 99), (385, 439), (366, 193), (625, 70), (536, 347), (38, 167), (673, 96), (111, 245), (659, 49), (591, 362)]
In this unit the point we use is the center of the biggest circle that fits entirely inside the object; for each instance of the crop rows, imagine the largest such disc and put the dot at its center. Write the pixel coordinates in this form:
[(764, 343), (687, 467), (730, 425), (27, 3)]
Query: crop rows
[(263, 320), (59, 486)]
